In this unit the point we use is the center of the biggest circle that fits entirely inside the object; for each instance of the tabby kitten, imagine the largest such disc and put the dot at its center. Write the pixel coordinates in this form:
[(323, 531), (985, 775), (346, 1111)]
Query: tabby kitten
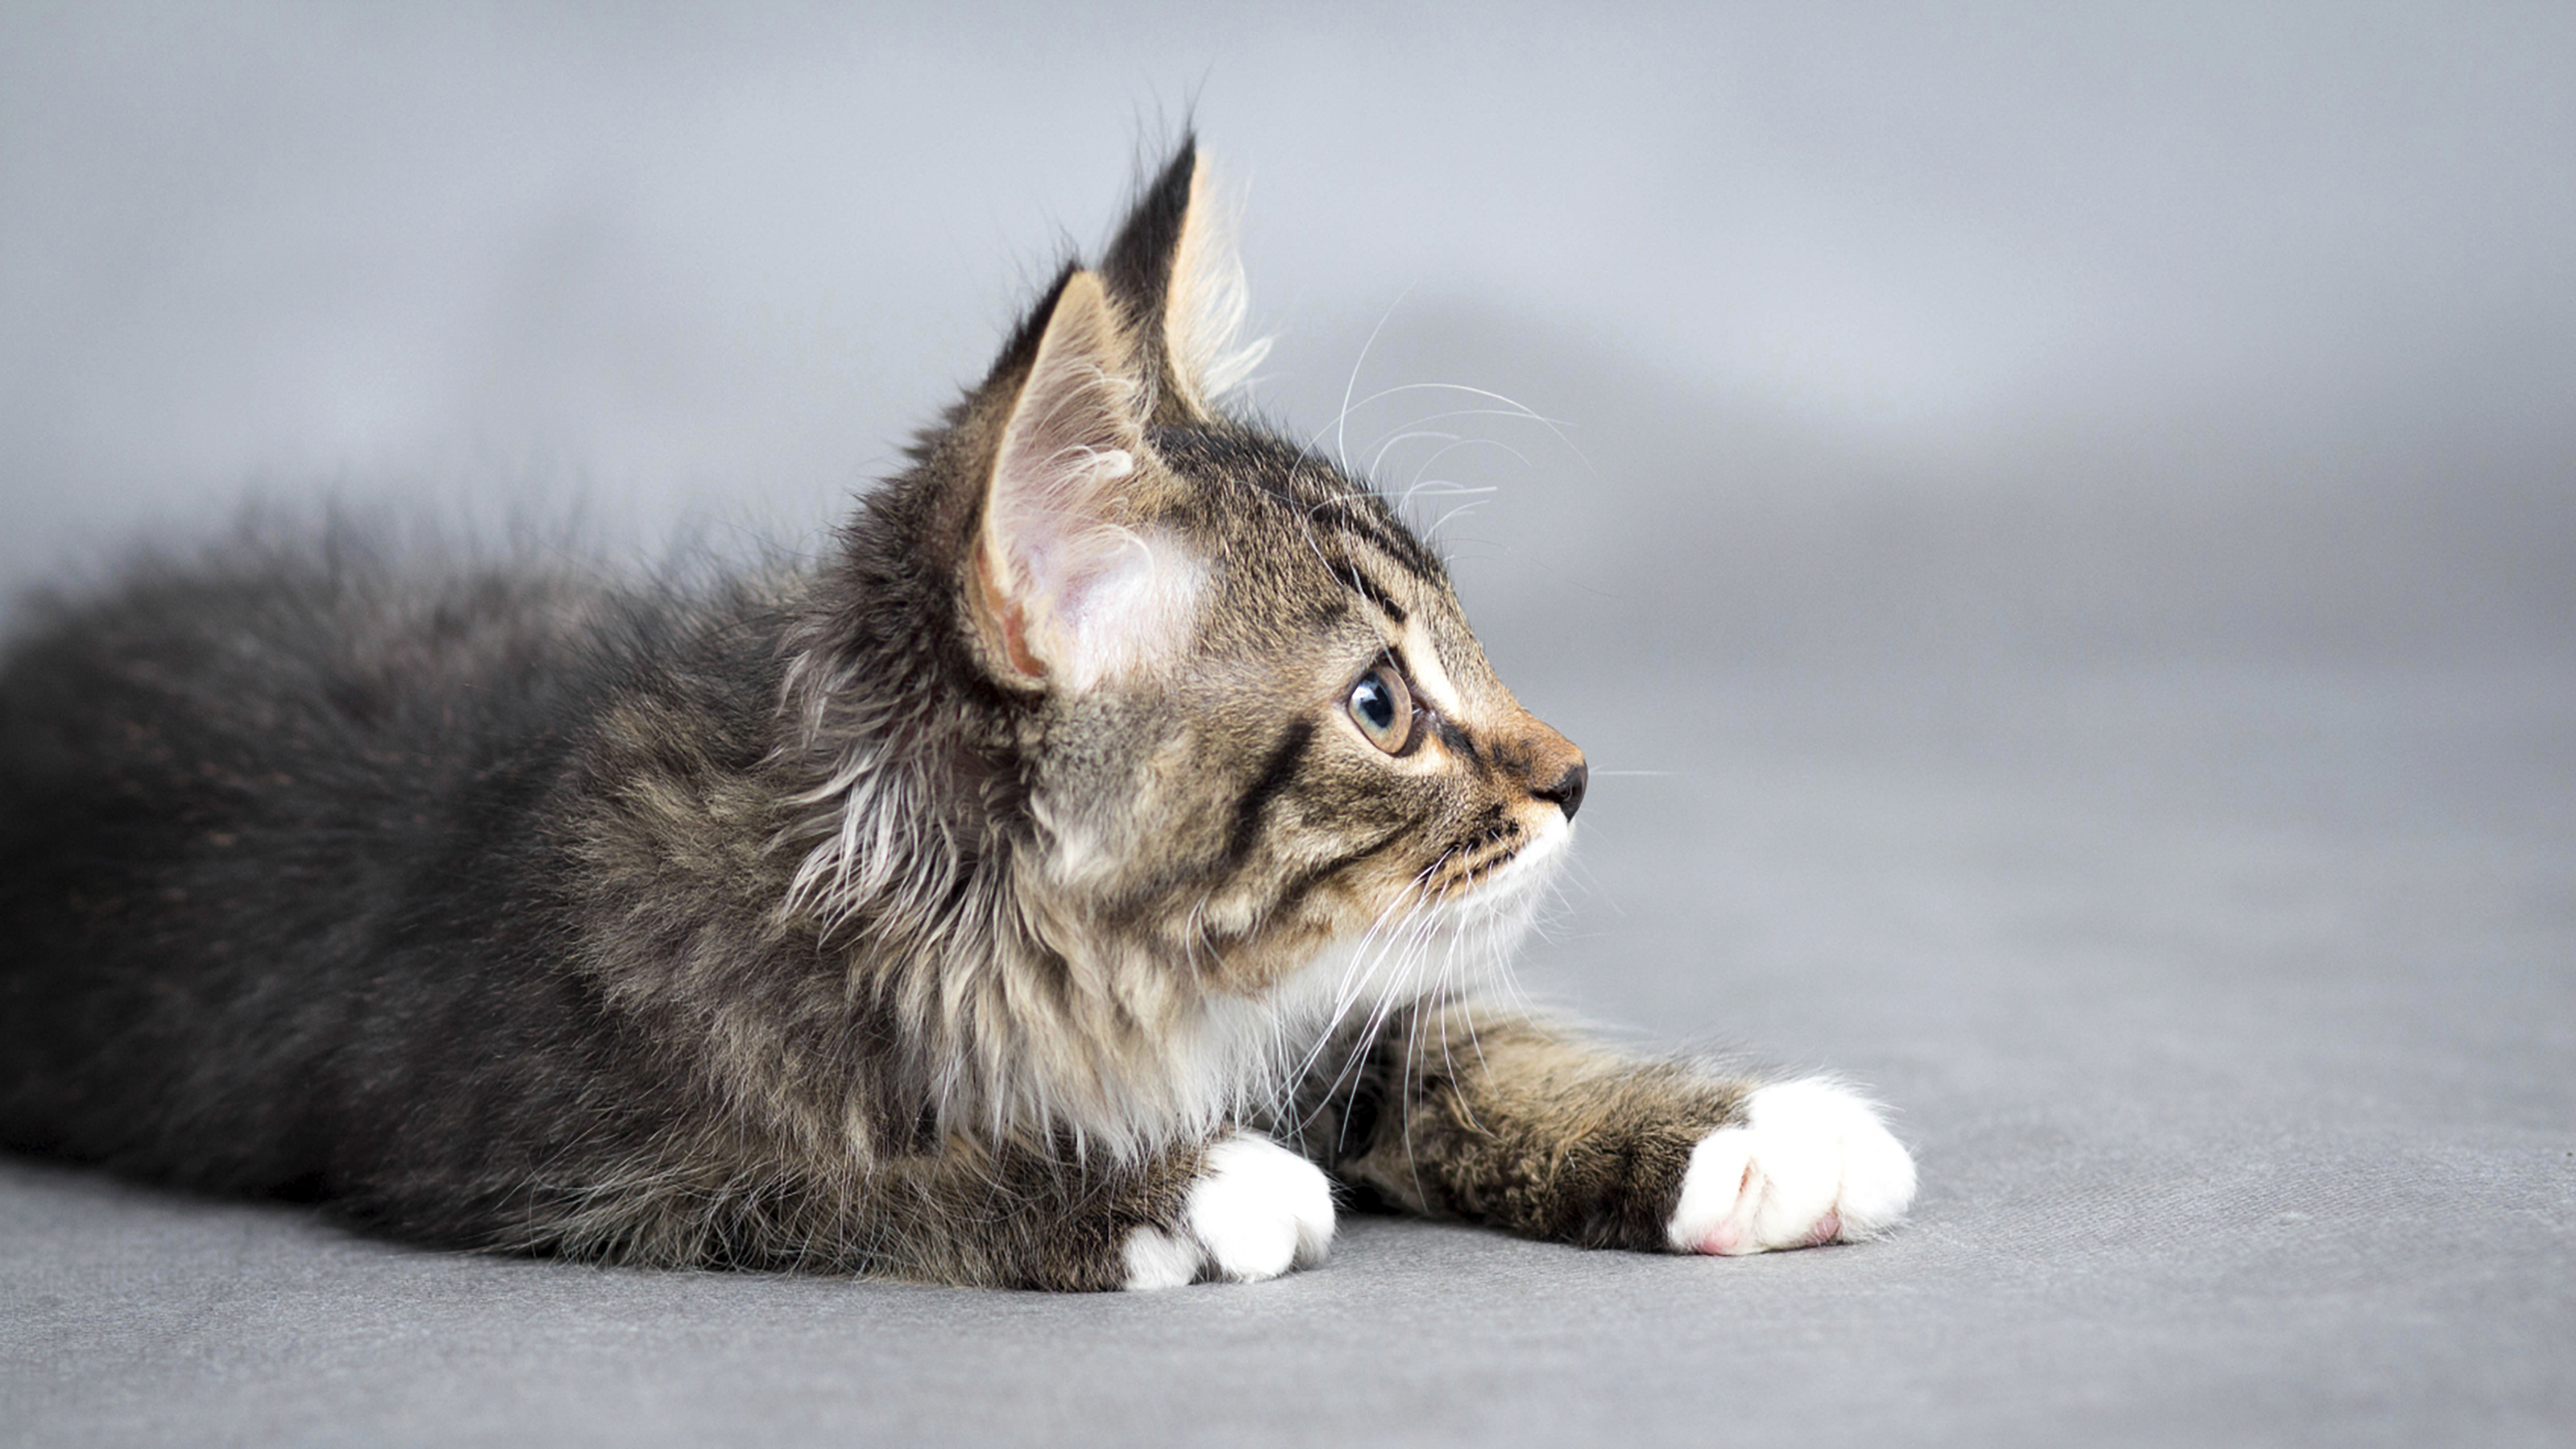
[(1094, 860)]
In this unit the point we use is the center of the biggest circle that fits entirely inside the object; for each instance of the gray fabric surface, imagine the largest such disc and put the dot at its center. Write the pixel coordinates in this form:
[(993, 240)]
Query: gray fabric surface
[(2232, 1013)]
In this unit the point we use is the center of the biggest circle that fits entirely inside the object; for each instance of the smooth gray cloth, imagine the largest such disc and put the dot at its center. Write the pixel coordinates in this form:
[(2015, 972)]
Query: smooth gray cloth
[(2232, 1012)]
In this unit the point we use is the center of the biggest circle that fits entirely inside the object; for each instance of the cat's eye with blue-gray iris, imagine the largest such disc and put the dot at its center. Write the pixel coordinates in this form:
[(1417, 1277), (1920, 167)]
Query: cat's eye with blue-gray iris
[(1382, 707)]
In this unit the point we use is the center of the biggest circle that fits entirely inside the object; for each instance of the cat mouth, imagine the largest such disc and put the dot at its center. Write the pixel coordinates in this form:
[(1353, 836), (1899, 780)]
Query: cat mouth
[(1503, 862)]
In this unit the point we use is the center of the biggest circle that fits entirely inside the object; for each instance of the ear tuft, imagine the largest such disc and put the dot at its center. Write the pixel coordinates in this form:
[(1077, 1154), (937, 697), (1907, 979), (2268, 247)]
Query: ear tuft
[(1203, 316), (1175, 267), (1074, 583)]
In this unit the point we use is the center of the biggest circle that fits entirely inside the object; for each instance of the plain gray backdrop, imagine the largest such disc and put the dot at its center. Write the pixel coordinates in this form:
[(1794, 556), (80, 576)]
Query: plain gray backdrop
[(2055, 524)]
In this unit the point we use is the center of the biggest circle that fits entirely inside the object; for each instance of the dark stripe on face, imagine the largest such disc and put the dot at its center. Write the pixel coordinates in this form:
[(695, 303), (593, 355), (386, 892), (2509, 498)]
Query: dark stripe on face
[(1458, 740), (1346, 514), (1304, 885), (1367, 588), (1276, 772)]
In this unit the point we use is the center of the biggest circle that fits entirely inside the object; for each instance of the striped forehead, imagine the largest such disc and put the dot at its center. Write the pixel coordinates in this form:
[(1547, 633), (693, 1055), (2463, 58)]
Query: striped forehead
[(1348, 529), (1385, 568)]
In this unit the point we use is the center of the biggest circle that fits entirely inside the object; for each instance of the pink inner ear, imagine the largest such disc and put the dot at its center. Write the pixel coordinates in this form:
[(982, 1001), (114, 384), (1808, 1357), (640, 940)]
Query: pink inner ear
[(1116, 602), (1082, 588)]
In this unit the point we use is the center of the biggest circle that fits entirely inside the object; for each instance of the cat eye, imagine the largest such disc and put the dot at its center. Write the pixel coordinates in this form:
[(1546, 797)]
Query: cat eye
[(1382, 706)]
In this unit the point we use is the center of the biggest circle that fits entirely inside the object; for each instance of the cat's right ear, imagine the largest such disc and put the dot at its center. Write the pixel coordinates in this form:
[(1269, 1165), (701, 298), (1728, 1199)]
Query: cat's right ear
[(1071, 583)]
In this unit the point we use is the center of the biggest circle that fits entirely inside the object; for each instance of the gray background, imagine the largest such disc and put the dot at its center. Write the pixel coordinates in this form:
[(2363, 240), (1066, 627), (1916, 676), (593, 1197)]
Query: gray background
[(2054, 524)]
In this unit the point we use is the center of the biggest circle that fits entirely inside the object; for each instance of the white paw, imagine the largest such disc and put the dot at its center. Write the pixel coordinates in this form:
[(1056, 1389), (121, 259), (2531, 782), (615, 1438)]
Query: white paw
[(1256, 1211), (1811, 1164)]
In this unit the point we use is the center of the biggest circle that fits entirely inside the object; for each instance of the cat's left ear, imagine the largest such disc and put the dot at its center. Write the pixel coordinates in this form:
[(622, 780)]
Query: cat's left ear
[(1174, 270), (1074, 581)]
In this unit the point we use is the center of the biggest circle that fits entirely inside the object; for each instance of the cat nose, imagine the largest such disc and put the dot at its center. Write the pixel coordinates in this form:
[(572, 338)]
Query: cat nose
[(1549, 765), (1567, 792)]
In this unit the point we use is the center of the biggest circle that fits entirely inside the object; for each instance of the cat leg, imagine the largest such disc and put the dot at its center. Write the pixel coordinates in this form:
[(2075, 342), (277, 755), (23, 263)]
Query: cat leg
[(1490, 1116)]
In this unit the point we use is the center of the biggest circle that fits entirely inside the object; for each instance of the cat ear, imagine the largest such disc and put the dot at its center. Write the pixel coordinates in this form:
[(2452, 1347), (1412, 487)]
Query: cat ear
[(1174, 267), (1074, 584)]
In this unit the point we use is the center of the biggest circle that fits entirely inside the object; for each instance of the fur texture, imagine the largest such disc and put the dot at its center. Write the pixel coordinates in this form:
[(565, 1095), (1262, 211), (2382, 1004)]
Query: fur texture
[(1123, 790)]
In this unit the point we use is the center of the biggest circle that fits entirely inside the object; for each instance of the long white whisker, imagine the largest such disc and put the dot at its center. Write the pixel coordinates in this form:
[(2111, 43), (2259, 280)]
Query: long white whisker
[(1516, 409), (1425, 465), (1458, 512), (1341, 420), (1397, 947), (1366, 952), (1390, 443)]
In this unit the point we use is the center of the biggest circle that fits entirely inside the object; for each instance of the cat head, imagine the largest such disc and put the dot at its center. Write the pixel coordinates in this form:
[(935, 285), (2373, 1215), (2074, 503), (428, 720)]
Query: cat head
[(1224, 707)]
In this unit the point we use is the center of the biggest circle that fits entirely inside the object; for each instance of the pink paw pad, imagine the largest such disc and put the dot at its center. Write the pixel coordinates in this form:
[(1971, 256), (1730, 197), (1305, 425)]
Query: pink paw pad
[(1720, 1240)]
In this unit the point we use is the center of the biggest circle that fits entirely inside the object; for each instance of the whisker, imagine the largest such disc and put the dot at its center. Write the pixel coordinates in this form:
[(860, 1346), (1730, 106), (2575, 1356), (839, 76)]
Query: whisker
[(1425, 465), (1341, 420), (1511, 408), (1379, 457)]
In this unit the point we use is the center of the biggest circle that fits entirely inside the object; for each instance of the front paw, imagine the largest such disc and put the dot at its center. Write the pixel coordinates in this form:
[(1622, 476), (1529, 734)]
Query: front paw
[(1256, 1211), (1811, 1164)]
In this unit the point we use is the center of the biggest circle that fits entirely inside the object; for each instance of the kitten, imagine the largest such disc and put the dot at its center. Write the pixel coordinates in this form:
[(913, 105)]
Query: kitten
[(1091, 862)]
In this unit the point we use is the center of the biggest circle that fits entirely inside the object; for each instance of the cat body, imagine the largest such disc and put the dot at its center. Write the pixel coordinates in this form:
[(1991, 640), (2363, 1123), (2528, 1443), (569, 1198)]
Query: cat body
[(1101, 853)]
